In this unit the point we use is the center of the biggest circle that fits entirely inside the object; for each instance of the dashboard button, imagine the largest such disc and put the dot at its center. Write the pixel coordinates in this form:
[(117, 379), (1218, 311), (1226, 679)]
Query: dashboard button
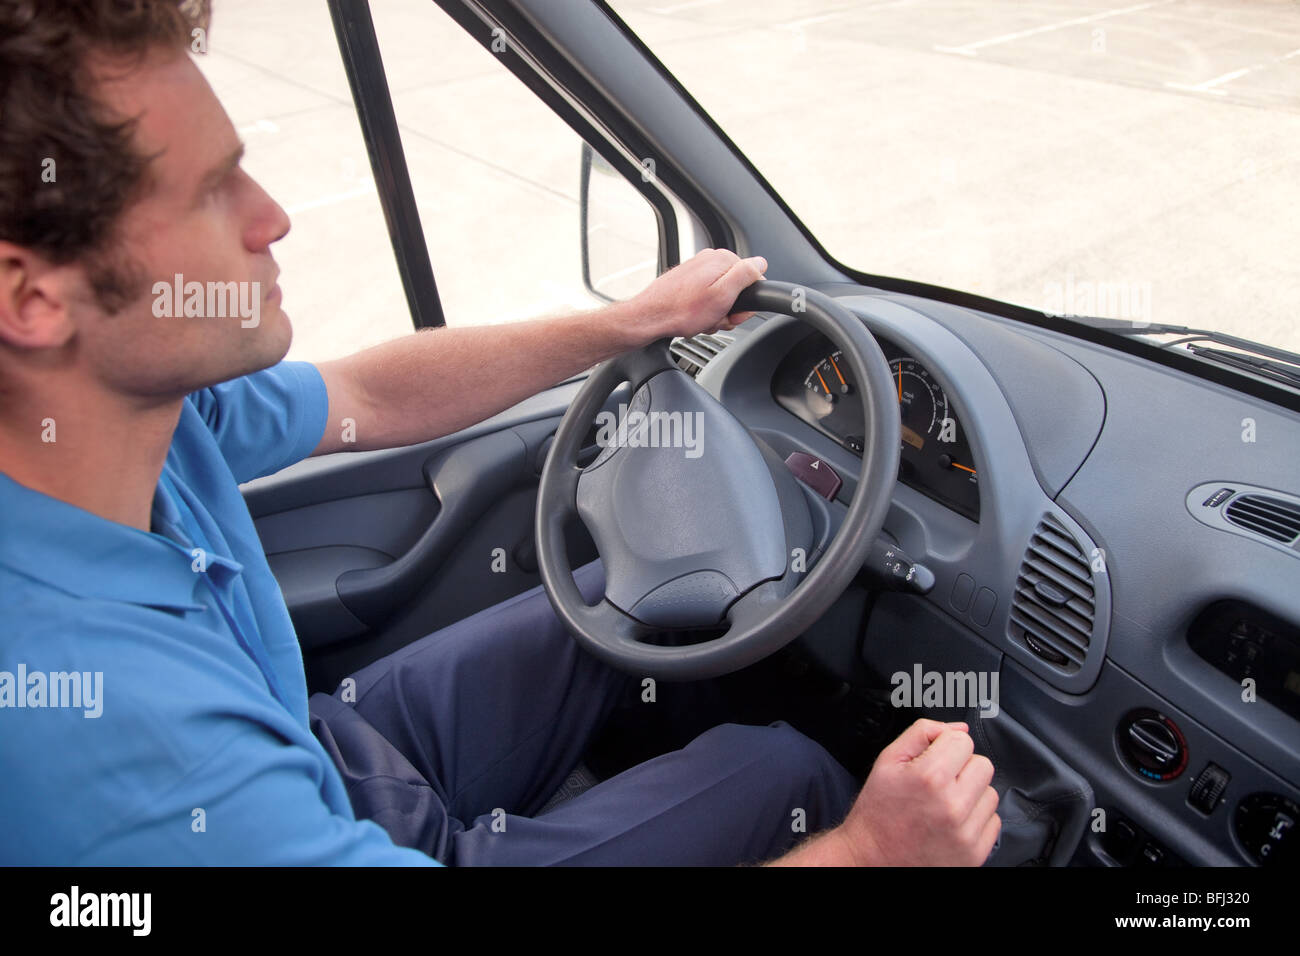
[(1121, 841), (985, 602), (814, 473), (1152, 855), (1207, 789), (962, 590)]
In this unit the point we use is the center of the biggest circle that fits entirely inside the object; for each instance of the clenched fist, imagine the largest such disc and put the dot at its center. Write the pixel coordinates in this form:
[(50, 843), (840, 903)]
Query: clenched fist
[(695, 296), (926, 802)]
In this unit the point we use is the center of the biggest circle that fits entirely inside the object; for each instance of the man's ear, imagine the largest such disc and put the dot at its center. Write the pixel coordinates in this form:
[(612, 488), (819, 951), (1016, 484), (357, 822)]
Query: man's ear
[(34, 300)]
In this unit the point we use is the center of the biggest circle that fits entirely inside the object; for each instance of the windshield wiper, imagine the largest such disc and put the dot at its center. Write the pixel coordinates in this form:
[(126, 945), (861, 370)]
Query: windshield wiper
[(1276, 364), (1276, 371)]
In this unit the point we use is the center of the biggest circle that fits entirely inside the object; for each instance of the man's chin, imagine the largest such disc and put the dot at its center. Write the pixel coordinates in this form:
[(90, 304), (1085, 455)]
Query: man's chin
[(267, 343), (276, 335)]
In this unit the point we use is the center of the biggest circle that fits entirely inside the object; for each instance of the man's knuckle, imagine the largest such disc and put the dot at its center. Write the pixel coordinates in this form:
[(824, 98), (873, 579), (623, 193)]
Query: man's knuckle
[(952, 812), (932, 779)]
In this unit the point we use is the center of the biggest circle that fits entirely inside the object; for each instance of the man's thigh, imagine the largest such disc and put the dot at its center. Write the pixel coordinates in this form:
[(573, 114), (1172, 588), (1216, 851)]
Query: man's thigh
[(493, 711), (736, 794)]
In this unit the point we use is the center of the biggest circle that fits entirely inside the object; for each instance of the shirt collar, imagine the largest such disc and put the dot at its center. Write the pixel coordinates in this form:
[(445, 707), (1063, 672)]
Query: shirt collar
[(81, 553)]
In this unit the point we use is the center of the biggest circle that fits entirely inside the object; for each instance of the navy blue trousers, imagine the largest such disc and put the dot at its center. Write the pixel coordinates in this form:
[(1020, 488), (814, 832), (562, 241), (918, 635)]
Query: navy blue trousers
[(455, 742)]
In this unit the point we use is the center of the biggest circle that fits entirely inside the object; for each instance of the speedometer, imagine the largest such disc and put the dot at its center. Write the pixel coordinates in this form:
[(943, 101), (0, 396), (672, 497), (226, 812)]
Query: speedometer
[(934, 456), (922, 405), (815, 384)]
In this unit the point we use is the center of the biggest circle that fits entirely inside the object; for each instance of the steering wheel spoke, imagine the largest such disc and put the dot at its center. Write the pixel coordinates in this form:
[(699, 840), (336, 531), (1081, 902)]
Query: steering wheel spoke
[(752, 609), (641, 365), (620, 627)]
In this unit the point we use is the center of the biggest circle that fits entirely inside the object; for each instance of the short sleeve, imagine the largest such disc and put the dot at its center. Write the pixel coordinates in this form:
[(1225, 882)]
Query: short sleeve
[(267, 420)]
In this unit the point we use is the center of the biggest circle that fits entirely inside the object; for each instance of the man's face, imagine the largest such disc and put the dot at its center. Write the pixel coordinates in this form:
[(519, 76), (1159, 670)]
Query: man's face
[(202, 218)]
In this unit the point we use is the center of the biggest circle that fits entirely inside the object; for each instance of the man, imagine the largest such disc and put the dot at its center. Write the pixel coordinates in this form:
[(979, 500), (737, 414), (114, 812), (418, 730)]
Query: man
[(151, 685)]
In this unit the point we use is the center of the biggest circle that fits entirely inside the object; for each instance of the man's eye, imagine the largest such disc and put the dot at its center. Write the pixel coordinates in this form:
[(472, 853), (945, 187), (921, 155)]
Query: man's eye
[(215, 190)]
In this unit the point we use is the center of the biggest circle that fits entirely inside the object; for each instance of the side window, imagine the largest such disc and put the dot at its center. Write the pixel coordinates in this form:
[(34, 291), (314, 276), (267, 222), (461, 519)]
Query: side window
[(291, 104), (497, 179)]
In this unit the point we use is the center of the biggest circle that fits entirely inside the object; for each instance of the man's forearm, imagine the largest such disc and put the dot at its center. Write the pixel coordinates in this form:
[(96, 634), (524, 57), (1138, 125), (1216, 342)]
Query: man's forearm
[(829, 848), (438, 381), (434, 383)]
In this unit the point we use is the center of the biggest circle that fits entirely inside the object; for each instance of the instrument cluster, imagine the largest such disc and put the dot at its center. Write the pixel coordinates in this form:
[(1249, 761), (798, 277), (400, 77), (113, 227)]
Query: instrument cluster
[(815, 384)]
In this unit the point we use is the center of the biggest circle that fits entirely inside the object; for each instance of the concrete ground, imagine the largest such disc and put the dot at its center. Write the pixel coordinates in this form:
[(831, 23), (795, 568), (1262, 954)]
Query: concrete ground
[(1140, 160)]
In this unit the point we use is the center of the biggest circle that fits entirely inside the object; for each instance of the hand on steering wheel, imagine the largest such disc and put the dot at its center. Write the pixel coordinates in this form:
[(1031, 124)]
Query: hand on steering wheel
[(695, 519)]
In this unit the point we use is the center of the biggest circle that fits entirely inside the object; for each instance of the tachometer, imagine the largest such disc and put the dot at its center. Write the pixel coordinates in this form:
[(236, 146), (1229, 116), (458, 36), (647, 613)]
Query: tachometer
[(826, 380)]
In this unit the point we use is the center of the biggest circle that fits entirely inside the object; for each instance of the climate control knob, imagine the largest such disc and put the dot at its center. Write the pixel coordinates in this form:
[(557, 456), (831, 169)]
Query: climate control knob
[(1152, 745)]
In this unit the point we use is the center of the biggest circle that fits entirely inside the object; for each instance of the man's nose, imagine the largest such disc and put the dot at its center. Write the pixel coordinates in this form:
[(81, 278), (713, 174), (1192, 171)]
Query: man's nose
[(269, 223)]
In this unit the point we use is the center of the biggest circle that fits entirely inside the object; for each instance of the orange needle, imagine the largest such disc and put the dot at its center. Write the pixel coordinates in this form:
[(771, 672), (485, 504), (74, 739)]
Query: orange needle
[(963, 468), (838, 372), (822, 380), (900, 385)]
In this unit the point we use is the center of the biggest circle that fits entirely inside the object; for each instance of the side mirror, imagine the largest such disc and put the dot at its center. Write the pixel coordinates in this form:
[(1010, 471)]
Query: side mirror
[(622, 233)]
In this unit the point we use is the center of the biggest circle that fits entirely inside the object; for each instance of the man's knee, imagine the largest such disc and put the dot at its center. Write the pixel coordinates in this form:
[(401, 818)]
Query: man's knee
[(789, 764)]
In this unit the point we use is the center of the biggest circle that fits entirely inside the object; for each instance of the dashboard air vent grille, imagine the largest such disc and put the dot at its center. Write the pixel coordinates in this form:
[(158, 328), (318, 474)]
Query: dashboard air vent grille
[(1054, 606), (1271, 517), (696, 352)]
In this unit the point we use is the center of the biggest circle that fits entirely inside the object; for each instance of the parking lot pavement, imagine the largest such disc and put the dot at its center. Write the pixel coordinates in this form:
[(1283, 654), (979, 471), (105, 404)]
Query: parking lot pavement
[(1014, 149)]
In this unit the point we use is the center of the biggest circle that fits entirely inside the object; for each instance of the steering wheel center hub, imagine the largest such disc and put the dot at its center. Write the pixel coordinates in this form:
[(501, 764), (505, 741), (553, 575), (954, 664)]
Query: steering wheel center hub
[(681, 507)]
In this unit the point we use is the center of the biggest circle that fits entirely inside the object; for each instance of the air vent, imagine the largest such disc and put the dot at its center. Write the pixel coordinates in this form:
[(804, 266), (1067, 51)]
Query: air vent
[(1055, 603), (1262, 514), (698, 351)]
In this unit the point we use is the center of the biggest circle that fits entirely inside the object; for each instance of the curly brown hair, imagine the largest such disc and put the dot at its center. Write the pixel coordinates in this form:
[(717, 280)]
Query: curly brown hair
[(48, 112)]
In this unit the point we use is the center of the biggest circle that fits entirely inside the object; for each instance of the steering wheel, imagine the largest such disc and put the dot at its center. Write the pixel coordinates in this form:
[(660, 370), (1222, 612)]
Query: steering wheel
[(698, 523)]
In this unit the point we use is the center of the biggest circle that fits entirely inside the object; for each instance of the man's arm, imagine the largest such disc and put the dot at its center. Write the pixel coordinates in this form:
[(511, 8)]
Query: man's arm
[(436, 382)]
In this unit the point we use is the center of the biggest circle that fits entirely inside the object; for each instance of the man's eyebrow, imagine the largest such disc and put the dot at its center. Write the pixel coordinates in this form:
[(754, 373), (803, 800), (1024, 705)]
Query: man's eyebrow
[(220, 171)]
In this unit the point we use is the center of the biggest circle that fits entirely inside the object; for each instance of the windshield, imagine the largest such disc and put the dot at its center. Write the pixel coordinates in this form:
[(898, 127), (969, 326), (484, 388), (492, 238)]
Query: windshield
[(1133, 161)]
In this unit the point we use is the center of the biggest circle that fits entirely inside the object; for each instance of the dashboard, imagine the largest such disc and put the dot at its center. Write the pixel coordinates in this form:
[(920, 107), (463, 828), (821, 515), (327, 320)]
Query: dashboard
[(814, 384), (1052, 487)]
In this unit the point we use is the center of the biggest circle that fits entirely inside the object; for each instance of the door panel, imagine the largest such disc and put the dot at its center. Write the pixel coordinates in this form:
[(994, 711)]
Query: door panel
[(373, 550)]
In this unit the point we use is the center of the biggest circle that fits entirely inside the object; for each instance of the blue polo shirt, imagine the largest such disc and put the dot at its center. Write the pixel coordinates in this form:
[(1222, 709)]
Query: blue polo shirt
[(153, 704)]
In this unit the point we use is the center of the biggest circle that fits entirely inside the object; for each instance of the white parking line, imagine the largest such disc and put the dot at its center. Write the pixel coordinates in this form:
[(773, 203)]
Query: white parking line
[(678, 7), (971, 49), (261, 126), (1209, 85), (363, 190), (800, 24), (832, 14), (605, 280)]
